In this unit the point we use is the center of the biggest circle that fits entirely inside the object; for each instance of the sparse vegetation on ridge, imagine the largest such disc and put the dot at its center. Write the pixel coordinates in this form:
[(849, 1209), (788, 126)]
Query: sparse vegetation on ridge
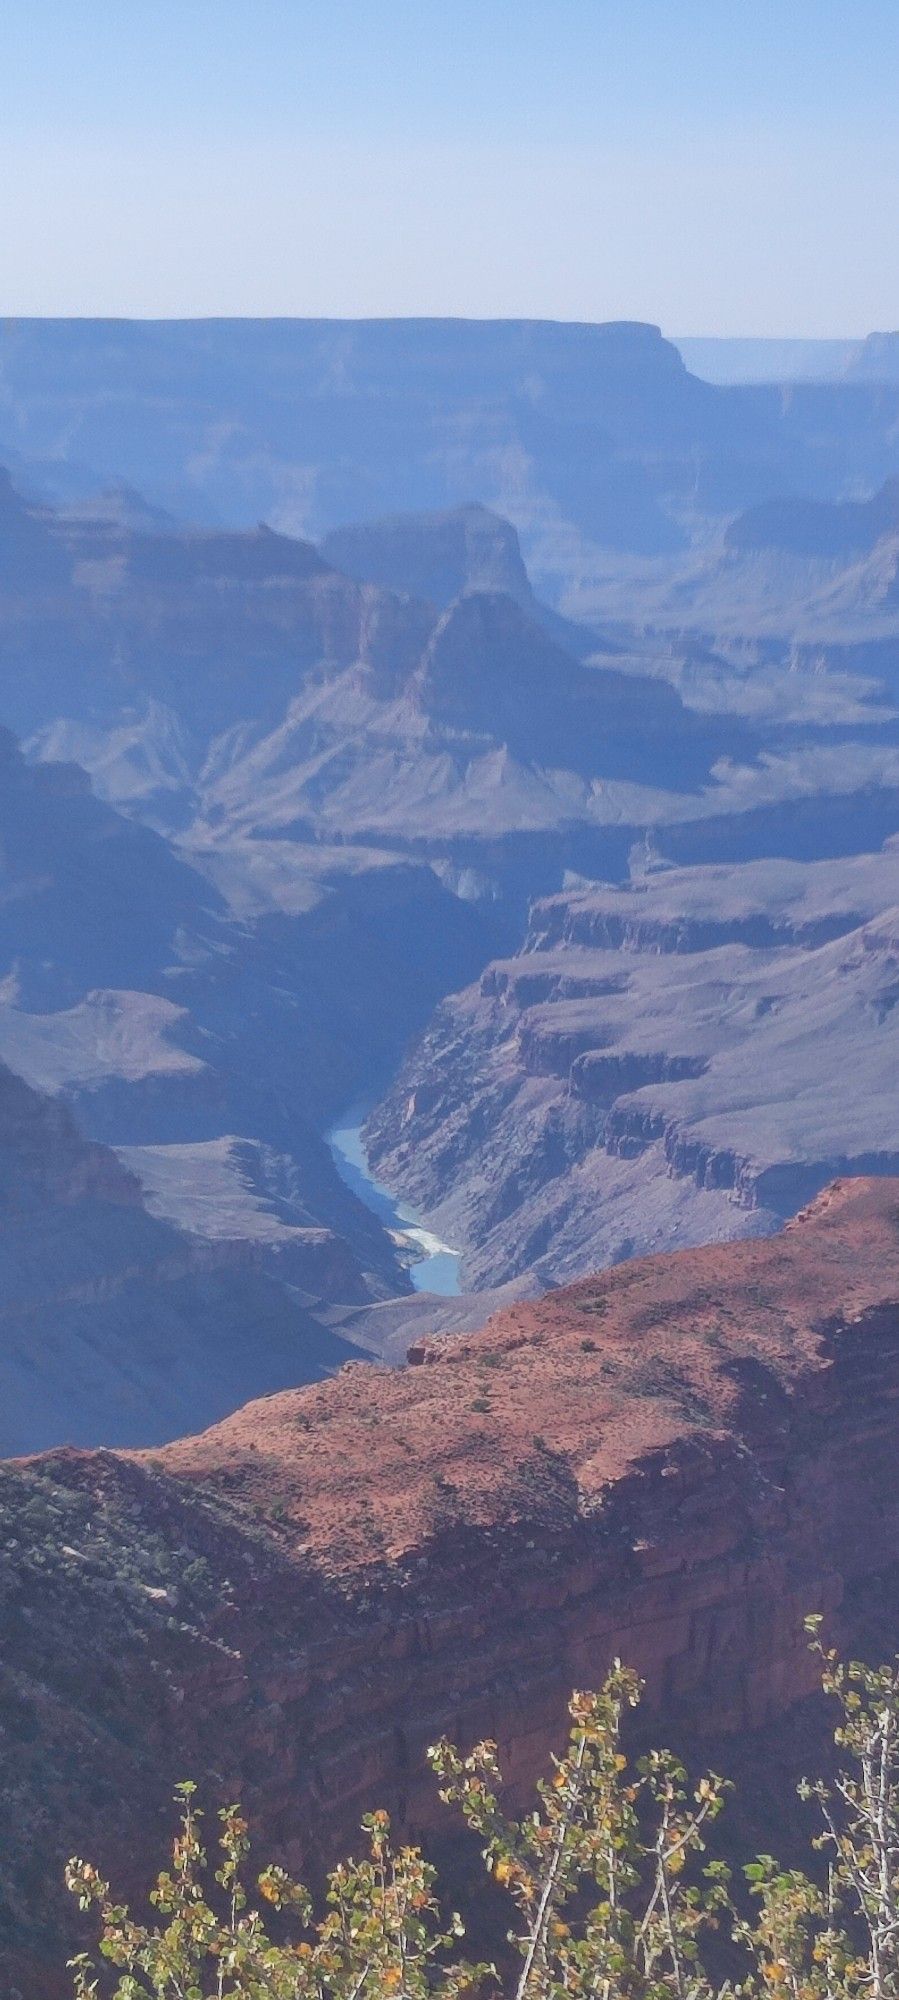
[(613, 1892)]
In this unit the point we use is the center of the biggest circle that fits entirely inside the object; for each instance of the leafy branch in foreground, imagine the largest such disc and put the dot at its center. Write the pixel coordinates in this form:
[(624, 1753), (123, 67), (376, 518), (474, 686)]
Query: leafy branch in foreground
[(641, 1936), (381, 1933), (612, 1893)]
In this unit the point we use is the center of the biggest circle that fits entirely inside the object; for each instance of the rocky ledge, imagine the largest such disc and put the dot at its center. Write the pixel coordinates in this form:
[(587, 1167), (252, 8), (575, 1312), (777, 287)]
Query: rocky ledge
[(672, 1461)]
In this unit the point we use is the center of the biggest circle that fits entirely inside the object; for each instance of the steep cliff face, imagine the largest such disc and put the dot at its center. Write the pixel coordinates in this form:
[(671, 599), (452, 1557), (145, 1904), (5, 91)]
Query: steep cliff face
[(490, 670), (43, 1157), (221, 628), (672, 1461), (656, 1067), (115, 1320)]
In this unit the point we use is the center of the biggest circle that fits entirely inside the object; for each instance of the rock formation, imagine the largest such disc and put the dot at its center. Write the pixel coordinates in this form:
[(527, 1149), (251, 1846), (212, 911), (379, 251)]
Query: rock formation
[(827, 529), (437, 557), (592, 437), (117, 1320), (209, 1041), (674, 1461), (656, 1067)]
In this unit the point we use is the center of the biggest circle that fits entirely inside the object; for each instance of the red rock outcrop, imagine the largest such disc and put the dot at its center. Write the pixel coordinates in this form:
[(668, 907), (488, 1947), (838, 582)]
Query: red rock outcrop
[(673, 1461)]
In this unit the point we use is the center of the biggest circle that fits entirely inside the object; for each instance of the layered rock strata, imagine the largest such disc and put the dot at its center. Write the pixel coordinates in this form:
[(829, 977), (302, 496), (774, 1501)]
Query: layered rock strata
[(672, 1461), (663, 1063)]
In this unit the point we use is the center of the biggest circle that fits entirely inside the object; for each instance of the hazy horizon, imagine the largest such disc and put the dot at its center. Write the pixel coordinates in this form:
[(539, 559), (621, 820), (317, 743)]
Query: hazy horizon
[(694, 334)]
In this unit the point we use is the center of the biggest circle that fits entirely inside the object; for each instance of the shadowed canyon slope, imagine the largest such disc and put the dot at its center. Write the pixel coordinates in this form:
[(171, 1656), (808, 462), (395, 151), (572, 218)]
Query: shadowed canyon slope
[(674, 1461), (113, 1322), (680, 1060), (186, 1269), (237, 681)]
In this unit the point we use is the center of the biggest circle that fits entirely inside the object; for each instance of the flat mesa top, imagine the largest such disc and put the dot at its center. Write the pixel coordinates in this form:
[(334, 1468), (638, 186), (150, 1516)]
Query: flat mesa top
[(557, 1398)]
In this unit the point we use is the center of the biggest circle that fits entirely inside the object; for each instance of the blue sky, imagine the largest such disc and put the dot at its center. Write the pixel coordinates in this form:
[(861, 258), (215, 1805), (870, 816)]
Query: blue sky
[(714, 167)]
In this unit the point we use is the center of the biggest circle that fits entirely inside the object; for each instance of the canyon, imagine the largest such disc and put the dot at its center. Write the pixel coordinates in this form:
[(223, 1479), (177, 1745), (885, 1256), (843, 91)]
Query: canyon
[(293, 1604), (275, 802), (488, 733), (174, 1231), (588, 437)]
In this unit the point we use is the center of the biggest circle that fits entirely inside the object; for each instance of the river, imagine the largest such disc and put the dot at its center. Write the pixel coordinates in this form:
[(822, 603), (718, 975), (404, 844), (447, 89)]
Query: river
[(437, 1269)]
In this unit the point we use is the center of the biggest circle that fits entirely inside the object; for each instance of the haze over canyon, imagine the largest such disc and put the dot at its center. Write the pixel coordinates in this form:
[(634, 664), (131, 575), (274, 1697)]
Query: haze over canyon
[(480, 739)]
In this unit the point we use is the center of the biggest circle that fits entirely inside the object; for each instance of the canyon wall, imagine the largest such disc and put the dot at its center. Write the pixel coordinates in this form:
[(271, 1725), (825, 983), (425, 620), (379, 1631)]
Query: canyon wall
[(673, 1461), (655, 1067)]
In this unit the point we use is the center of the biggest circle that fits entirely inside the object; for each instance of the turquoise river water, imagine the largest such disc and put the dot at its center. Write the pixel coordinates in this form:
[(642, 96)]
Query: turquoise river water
[(437, 1269)]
